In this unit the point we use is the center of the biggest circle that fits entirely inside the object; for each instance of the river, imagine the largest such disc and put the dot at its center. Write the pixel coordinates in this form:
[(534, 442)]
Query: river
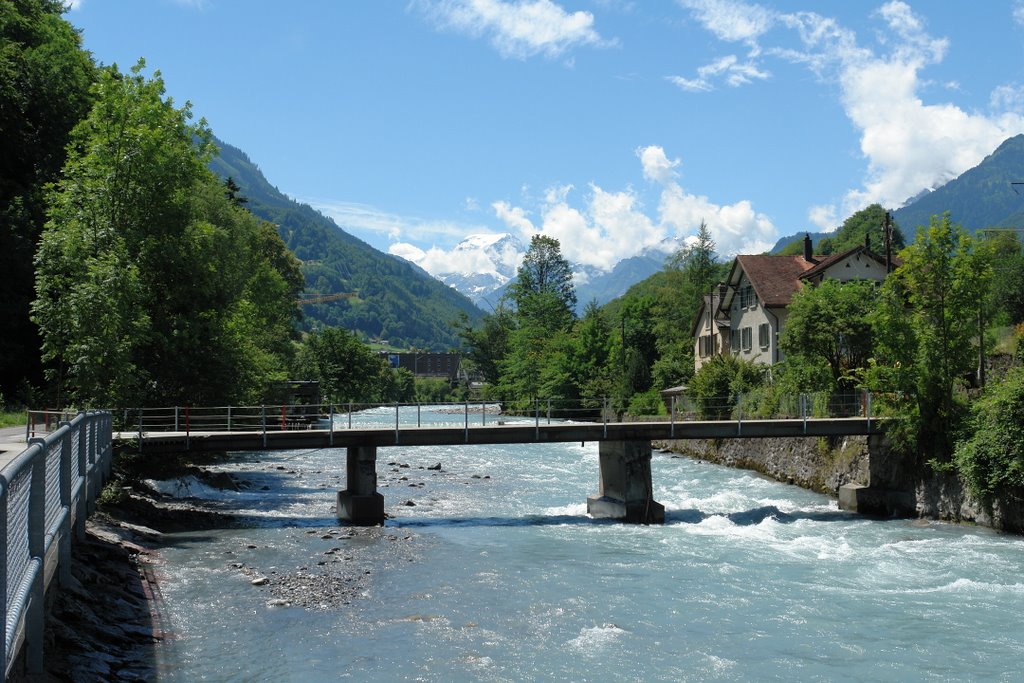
[(496, 573)]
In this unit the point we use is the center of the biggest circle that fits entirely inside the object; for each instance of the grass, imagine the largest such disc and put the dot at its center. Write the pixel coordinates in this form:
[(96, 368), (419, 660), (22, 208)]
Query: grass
[(13, 418)]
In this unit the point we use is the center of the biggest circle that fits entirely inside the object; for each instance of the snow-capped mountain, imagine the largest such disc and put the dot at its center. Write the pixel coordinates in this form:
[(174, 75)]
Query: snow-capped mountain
[(482, 266), (478, 266)]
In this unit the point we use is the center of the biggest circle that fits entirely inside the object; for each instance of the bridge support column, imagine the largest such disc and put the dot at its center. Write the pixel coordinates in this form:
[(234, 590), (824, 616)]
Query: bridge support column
[(360, 503), (626, 491)]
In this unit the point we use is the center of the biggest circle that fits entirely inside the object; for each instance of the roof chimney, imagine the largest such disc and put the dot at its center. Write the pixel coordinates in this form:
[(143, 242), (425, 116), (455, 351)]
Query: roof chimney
[(808, 248)]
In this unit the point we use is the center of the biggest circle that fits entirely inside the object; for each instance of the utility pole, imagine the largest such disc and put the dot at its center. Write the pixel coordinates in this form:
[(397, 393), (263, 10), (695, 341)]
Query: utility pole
[(887, 239)]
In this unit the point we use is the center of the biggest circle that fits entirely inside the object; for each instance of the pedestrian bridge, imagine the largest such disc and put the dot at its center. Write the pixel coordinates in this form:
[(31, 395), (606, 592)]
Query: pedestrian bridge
[(625, 489)]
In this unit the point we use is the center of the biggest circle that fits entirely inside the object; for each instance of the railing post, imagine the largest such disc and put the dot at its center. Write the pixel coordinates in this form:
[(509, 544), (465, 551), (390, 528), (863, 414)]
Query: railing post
[(739, 414), (263, 422), (177, 427), (536, 419), (867, 408), (803, 410), (467, 420), (140, 429), (483, 414), (604, 414), (350, 415), (64, 552), (229, 418), (549, 411), (188, 429), (35, 613), (330, 426), (672, 410), (396, 421)]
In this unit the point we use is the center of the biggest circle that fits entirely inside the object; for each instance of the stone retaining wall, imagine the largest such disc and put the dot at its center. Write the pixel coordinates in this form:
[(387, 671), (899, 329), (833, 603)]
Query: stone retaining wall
[(823, 465), (816, 463)]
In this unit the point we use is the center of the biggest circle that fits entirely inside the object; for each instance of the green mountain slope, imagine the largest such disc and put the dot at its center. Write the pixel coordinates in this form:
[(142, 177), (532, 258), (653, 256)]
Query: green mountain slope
[(980, 198), (393, 299)]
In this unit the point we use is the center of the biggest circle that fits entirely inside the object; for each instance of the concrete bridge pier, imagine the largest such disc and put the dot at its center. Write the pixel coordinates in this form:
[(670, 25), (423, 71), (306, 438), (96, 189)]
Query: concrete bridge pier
[(626, 490), (360, 503)]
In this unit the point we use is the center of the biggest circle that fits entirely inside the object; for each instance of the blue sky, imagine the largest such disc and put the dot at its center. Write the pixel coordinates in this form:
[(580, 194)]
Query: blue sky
[(610, 124)]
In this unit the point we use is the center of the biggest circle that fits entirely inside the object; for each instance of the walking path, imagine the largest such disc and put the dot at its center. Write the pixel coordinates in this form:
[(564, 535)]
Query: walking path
[(12, 443)]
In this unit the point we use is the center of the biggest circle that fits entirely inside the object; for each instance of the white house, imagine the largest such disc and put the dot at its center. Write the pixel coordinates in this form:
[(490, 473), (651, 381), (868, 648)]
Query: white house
[(746, 314)]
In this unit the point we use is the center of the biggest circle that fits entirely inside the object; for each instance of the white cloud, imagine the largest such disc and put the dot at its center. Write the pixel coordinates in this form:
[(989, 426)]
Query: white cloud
[(603, 227), (736, 228), (353, 216), (72, 5), (824, 217), (732, 21), (1018, 12), (908, 144), (656, 165), (520, 29)]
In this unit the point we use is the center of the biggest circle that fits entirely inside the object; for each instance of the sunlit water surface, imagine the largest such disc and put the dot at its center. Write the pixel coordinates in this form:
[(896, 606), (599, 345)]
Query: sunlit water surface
[(498, 574)]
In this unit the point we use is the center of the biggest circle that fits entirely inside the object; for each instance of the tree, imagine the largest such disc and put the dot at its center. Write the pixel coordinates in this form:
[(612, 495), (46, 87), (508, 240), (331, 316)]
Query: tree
[(347, 370), (544, 271), (927, 330), (1005, 249), (829, 325), (487, 344), (151, 286), (45, 77), (698, 260)]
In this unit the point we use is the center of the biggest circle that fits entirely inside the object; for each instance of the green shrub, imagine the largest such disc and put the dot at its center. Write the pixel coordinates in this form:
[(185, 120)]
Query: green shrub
[(991, 459)]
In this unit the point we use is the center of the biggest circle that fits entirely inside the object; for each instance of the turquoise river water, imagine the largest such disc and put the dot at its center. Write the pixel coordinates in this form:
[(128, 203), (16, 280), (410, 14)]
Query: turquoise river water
[(496, 573)]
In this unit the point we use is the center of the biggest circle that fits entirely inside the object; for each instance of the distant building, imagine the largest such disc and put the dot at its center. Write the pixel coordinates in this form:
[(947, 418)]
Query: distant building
[(746, 313), (439, 365)]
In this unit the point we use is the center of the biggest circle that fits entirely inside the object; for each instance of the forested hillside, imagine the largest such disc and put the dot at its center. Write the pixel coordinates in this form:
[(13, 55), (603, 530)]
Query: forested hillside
[(983, 197), (393, 299)]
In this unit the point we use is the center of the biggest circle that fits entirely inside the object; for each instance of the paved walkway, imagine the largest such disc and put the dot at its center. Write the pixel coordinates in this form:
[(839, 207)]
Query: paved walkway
[(12, 443)]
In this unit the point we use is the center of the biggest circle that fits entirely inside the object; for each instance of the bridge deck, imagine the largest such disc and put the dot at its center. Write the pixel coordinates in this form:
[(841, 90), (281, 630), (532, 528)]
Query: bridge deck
[(515, 433)]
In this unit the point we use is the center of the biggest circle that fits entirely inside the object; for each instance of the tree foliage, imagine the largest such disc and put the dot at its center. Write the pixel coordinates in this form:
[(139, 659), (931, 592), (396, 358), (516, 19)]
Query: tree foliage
[(45, 77), (991, 459), (544, 281), (828, 326), (348, 371), (927, 330), (869, 222), (153, 287)]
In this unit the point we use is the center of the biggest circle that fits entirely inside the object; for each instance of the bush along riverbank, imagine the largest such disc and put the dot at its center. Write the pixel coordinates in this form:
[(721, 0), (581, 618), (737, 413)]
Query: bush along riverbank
[(825, 465)]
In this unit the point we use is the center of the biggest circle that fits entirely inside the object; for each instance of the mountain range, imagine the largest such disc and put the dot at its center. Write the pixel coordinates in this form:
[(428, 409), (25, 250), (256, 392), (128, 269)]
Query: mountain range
[(379, 296), (387, 297), (990, 195)]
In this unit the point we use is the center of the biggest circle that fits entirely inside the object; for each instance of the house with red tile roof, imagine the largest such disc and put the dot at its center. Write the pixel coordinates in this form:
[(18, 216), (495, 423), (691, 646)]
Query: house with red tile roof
[(745, 315)]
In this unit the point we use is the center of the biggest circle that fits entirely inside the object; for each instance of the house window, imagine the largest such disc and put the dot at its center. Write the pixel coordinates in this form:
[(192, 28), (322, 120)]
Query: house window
[(748, 337), (706, 345), (764, 335), (734, 338), (748, 297)]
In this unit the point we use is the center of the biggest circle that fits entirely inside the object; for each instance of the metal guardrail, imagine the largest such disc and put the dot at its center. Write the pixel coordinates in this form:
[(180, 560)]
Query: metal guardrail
[(264, 419), (46, 493)]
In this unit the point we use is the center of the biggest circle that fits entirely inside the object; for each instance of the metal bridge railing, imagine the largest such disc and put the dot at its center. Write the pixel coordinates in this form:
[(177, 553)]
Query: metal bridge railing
[(46, 493), (263, 419)]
